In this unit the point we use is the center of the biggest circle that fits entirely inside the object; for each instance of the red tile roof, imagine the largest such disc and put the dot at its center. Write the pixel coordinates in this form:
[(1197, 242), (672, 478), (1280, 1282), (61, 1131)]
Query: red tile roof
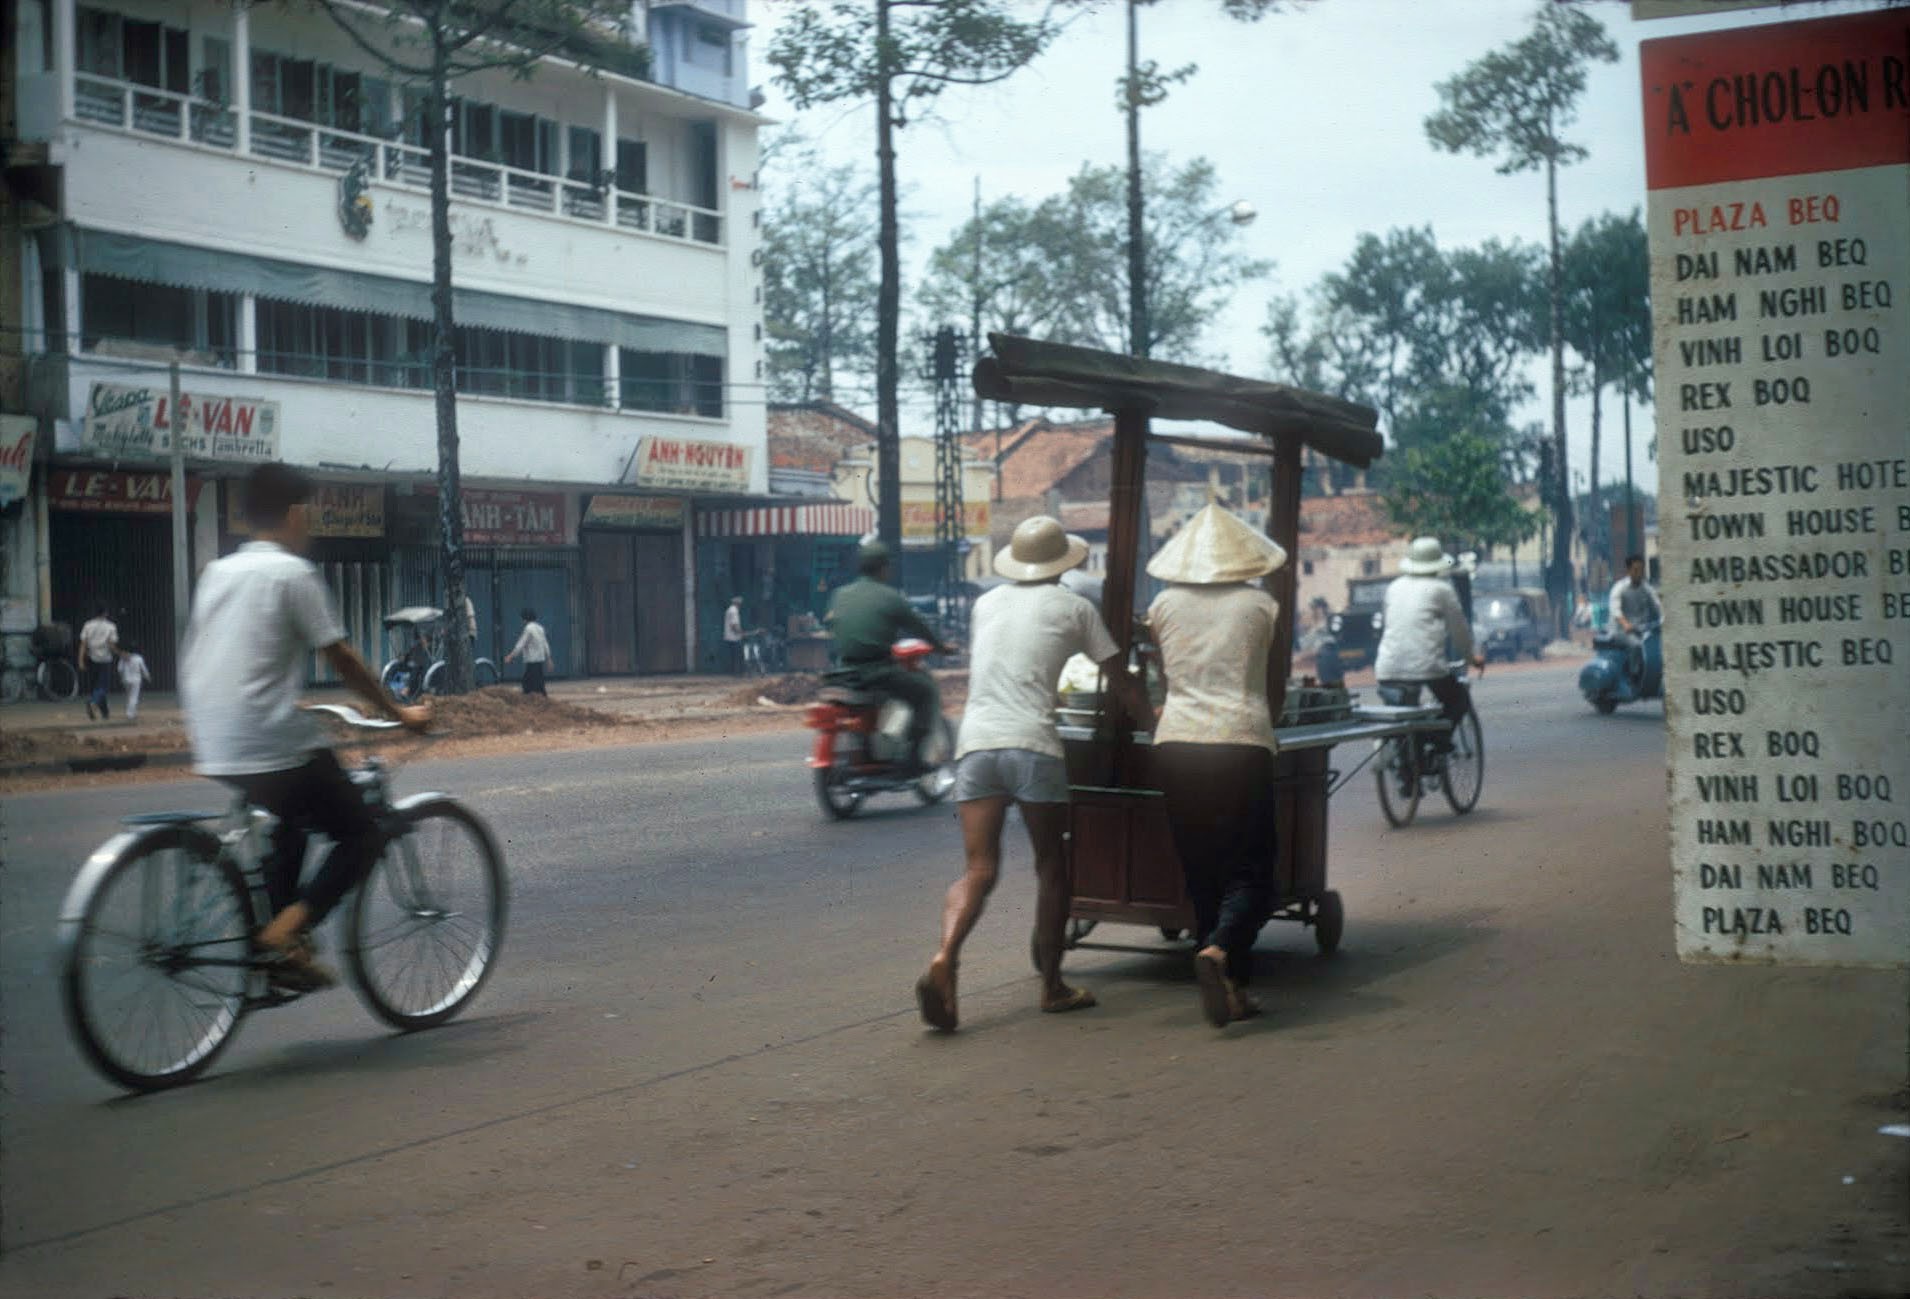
[(1350, 519), (815, 435), (1037, 454)]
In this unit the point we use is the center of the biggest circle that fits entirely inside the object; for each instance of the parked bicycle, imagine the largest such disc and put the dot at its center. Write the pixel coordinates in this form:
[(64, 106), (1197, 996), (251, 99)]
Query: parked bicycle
[(417, 635), (52, 676), (764, 653), (156, 933), (1408, 766)]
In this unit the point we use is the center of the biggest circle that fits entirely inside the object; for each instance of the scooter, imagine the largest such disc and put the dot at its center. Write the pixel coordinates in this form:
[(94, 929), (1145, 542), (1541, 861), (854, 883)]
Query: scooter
[(1608, 680), (862, 744)]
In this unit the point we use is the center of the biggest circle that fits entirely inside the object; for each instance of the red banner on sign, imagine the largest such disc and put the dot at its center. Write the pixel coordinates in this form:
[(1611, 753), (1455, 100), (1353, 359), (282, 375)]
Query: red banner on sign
[(1784, 99), (104, 491)]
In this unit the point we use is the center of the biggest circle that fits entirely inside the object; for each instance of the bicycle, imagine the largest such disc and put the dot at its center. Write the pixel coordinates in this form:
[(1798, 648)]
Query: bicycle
[(419, 668), (764, 654), (53, 679), (178, 903), (1406, 766)]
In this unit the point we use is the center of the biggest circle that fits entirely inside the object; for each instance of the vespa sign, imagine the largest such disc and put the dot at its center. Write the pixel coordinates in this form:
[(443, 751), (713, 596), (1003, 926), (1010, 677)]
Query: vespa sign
[(126, 421), (16, 456)]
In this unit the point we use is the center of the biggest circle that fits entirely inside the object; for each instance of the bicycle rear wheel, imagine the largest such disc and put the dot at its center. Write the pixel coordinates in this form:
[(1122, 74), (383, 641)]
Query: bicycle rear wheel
[(428, 920), (1396, 773), (484, 672), (401, 679), (1466, 765), (59, 679), (156, 959)]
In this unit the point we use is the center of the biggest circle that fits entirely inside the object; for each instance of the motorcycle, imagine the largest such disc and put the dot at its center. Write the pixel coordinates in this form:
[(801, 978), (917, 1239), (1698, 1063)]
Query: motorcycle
[(1608, 680), (862, 744)]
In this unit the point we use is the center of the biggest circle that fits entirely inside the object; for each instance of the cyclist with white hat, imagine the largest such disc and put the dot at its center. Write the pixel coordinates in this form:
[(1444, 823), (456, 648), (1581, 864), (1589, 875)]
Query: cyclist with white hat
[(1421, 614)]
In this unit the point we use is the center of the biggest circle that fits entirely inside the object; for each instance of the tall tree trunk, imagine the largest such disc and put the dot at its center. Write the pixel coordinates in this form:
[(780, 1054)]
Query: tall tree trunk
[(1597, 528), (1631, 496), (888, 302), (975, 301), (1137, 326), (828, 340), (457, 649), (1559, 584)]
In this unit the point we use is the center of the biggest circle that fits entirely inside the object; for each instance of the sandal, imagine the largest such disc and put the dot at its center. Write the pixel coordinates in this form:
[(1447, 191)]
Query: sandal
[(295, 967)]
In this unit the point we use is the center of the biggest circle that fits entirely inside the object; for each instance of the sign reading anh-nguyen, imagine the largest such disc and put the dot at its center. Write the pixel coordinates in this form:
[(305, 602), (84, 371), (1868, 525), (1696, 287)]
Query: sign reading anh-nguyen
[(1778, 160), (126, 421), (690, 464)]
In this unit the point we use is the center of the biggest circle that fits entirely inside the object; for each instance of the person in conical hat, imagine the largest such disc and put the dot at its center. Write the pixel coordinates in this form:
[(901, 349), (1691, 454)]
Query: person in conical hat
[(1421, 618), (1214, 744), (1009, 751)]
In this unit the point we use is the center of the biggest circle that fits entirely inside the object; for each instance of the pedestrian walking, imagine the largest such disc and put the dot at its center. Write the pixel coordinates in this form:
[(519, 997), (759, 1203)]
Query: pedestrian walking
[(733, 635), (133, 674), (533, 646), (1214, 744), (98, 652), (1009, 752)]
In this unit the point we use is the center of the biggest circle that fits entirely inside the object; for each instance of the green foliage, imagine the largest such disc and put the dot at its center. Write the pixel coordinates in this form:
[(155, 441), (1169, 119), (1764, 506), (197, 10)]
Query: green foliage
[(1457, 489), (1435, 341), (819, 268), (1059, 268), (1607, 271), (410, 36), (1515, 101)]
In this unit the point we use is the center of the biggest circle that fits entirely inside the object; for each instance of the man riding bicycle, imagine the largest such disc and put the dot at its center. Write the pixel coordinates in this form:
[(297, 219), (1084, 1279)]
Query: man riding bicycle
[(1422, 613), (256, 617), (868, 616)]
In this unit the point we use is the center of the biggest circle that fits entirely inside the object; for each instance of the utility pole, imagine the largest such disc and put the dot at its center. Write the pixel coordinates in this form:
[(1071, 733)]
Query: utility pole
[(975, 301), (181, 560), (1136, 246)]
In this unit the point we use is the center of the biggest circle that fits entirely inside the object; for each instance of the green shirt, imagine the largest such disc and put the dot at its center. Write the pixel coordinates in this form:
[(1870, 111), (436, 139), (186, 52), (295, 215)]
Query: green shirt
[(868, 617)]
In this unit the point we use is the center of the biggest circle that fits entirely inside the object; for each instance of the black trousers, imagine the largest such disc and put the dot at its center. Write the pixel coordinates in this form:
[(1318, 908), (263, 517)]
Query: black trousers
[(916, 689), (100, 682), (534, 679), (317, 797), (1455, 701), (733, 657), (1220, 806)]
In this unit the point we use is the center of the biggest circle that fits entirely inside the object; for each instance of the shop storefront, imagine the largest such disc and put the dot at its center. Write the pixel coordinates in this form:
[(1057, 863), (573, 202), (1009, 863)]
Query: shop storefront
[(784, 560), (636, 584)]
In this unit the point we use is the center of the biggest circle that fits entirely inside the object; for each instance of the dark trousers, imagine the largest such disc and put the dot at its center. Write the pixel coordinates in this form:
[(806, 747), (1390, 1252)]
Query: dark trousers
[(315, 798), (733, 656), (1220, 807), (534, 679), (916, 689), (100, 683), (1455, 701)]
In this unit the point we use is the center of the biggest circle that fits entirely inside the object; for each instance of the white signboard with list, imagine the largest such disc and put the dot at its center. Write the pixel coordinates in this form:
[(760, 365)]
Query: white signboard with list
[(1778, 162)]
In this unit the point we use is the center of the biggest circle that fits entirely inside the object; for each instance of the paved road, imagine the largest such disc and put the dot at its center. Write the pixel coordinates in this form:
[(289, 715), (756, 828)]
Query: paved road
[(699, 1072)]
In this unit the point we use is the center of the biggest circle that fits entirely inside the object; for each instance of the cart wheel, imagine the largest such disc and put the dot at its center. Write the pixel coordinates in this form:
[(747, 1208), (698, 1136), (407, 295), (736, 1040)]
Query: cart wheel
[(1329, 921), (1172, 933)]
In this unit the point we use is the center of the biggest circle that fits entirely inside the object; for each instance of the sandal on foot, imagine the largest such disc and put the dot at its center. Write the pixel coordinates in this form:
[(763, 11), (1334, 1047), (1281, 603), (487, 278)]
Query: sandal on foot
[(938, 1009), (1077, 999), (1216, 989), (293, 969)]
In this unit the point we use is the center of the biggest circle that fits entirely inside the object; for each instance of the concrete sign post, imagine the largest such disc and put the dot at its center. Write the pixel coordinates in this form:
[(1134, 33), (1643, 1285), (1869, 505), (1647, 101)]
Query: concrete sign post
[(1778, 163)]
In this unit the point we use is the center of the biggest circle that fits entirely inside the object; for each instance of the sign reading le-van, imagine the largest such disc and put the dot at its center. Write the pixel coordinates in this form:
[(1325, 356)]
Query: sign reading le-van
[(105, 491), (1778, 163), (689, 464), (126, 421)]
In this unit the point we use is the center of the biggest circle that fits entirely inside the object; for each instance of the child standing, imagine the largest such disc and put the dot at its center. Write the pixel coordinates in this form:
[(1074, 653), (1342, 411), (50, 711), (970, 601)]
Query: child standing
[(133, 675), (533, 646)]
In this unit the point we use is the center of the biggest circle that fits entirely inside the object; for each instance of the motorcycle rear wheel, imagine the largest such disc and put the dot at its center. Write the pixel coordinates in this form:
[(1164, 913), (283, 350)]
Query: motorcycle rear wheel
[(837, 802), (1605, 705)]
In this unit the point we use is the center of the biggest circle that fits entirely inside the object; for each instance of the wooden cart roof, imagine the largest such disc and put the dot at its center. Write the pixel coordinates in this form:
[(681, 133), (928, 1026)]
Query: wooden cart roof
[(1030, 372)]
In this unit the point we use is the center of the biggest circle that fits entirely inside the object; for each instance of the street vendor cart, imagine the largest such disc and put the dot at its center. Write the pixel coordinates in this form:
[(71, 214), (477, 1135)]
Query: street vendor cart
[(1121, 850)]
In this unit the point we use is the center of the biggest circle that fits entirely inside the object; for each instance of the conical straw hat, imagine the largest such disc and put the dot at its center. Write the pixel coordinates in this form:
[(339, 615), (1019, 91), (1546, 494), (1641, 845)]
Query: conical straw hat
[(1213, 547)]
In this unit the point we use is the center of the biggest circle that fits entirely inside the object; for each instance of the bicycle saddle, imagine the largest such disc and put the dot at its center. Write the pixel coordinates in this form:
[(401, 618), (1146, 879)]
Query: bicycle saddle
[(170, 818)]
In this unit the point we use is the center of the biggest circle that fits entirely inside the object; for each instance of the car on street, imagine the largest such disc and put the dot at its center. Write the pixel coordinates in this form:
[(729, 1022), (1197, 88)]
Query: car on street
[(1357, 627), (1510, 624)]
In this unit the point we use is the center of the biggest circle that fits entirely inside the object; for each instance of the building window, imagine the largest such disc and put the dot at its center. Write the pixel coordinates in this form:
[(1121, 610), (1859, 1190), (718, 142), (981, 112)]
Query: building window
[(633, 166), (1306, 567), (676, 383), (160, 315), (1369, 567), (586, 155), (710, 48), (358, 347)]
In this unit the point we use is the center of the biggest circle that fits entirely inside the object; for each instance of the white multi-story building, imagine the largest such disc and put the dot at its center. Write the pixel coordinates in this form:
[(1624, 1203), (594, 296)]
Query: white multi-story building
[(238, 186)]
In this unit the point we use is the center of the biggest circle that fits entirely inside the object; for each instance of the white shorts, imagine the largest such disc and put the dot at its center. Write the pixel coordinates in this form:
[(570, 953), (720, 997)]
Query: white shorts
[(1020, 774)]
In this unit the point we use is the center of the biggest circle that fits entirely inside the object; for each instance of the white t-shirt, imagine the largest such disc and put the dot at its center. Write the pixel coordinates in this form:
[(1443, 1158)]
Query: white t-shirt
[(732, 623), (256, 617), (98, 636), (533, 646), (1021, 636), (1214, 643), (132, 669)]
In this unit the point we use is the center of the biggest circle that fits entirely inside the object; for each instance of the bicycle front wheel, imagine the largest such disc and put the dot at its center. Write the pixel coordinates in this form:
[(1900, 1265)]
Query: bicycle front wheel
[(400, 679), (156, 958), (428, 920), (1396, 773), (1466, 765), (485, 673), (59, 679)]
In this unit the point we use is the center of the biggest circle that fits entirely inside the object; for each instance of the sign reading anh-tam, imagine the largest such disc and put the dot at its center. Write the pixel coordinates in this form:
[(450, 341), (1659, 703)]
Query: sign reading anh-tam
[(1778, 160), (690, 464), (128, 421), (16, 456)]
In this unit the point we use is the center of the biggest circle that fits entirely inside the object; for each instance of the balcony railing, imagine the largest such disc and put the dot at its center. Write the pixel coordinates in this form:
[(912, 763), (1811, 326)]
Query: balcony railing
[(123, 106)]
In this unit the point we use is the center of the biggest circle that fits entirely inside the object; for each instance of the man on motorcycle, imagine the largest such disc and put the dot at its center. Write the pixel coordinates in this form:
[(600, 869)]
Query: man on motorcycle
[(1422, 613), (868, 616), (1634, 607)]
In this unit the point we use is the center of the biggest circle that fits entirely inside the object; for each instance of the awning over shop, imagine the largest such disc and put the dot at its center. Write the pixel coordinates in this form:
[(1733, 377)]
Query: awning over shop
[(182, 266), (836, 519)]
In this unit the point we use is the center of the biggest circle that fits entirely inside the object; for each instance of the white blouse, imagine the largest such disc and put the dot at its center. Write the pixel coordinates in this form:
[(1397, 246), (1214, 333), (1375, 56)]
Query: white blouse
[(1214, 643)]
